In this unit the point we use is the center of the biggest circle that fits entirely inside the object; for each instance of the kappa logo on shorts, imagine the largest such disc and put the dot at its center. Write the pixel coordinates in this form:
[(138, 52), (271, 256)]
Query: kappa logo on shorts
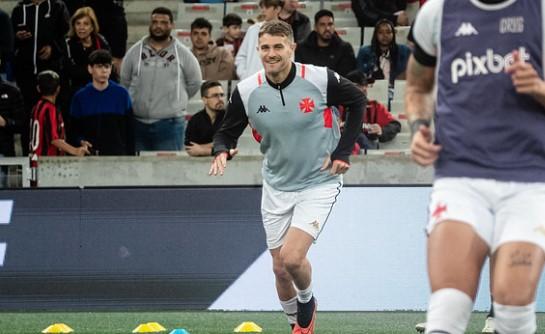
[(438, 211), (540, 229), (316, 225)]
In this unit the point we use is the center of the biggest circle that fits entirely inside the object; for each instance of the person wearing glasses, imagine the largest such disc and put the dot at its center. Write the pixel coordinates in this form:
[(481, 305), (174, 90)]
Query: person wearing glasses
[(204, 124)]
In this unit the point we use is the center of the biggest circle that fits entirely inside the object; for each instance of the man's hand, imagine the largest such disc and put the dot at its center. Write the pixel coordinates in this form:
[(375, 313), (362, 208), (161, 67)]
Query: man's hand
[(336, 167), (85, 143), (2, 122), (22, 35), (525, 78), (116, 62), (197, 150), (424, 152), (82, 151), (45, 52), (375, 129), (402, 19), (218, 164)]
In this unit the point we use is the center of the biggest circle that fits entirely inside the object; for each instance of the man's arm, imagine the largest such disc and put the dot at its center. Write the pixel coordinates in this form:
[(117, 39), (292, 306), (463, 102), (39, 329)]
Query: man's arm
[(191, 69), (67, 148)]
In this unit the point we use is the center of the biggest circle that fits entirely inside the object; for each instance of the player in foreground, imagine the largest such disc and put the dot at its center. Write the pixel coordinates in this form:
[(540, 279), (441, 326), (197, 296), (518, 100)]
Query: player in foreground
[(289, 105), (489, 155)]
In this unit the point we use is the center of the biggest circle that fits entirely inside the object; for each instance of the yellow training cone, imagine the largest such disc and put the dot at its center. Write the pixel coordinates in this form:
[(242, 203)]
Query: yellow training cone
[(58, 328), (150, 327), (248, 327)]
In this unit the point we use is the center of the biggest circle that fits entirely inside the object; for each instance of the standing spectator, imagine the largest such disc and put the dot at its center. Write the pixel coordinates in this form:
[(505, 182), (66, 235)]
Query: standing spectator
[(6, 40), (40, 27), (232, 33), (11, 117), (323, 47), (204, 124), (113, 26), (216, 62), (384, 58), (47, 127), (247, 61), (369, 12), (299, 22), (161, 75), (379, 125), (102, 111)]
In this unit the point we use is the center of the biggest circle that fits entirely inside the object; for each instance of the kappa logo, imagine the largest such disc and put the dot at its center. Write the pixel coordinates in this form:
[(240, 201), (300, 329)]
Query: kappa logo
[(466, 29), (263, 109), (540, 229), (5, 218)]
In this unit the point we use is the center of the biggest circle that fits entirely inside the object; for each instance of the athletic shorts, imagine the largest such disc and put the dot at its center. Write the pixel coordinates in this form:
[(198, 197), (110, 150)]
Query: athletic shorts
[(306, 210), (499, 212)]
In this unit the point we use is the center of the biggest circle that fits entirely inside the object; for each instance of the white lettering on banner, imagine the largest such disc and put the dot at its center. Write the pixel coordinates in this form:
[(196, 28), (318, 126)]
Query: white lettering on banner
[(490, 63), (5, 218)]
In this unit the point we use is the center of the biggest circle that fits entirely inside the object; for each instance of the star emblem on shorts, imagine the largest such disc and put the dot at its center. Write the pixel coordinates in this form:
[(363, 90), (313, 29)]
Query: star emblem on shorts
[(306, 105), (439, 210), (316, 225)]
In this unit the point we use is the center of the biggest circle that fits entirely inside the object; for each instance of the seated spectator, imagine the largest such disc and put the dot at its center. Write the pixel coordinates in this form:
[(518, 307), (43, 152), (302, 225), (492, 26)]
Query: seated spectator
[(232, 33), (204, 124), (47, 127), (369, 12), (216, 62), (247, 61), (113, 26), (379, 125), (323, 47), (384, 58), (299, 22), (102, 111)]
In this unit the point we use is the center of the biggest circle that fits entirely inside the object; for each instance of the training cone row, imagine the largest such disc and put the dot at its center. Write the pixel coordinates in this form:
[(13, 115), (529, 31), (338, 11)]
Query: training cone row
[(248, 327), (150, 327), (58, 328)]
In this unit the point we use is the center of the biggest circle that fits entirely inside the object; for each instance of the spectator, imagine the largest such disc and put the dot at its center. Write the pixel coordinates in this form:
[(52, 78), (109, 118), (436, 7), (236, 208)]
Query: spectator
[(161, 75), (11, 122), (6, 39), (102, 111), (47, 126), (369, 12), (384, 58), (39, 27), (216, 62), (379, 125), (323, 47), (299, 22), (83, 39), (247, 61), (204, 124), (232, 33), (113, 26)]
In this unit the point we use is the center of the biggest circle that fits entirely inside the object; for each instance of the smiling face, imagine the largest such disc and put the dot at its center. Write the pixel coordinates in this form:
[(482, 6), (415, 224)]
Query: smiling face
[(276, 53), (83, 27)]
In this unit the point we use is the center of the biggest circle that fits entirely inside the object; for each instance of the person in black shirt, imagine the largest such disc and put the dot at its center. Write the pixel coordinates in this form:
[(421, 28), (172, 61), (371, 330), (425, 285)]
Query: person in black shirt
[(204, 124)]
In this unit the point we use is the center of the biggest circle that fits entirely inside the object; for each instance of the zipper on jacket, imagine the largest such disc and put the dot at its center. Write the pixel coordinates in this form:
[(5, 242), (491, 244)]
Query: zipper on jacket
[(281, 96), (36, 17)]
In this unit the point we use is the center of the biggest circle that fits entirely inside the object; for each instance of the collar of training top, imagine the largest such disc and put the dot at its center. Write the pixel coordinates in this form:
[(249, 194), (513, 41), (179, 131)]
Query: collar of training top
[(286, 82), (492, 2)]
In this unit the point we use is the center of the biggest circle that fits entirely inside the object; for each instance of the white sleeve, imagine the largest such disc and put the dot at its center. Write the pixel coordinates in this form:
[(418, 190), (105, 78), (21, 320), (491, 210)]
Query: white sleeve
[(241, 59), (427, 26)]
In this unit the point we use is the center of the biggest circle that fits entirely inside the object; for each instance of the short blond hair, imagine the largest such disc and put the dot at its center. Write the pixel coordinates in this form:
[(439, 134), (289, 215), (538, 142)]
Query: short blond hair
[(80, 13), (276, 28)]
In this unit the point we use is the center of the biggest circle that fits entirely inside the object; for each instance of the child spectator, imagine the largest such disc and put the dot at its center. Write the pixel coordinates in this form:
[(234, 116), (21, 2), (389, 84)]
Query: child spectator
[(102, 110), (47, 136), (232, 33)]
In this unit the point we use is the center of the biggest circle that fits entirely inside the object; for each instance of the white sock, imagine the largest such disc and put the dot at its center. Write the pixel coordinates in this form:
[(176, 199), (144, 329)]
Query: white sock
[(448, 312), (515, 319), (290, 309), (304, 296)]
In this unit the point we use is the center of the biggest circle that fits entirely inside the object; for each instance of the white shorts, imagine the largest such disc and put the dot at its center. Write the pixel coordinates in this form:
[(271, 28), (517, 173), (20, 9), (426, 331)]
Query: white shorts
[(306, 210), (499, 212)]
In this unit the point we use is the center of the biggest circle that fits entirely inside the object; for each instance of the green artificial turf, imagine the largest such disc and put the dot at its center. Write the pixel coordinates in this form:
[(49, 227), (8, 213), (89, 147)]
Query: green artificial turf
[(222, 322)]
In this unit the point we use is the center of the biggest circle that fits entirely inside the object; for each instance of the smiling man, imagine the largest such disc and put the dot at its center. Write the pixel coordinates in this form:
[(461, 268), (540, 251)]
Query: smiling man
[(290, 106)]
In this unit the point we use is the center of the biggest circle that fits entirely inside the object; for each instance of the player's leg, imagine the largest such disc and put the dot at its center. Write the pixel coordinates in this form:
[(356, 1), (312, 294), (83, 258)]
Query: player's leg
[(517, 270), (459, 234), (455, 257), (277, 211)]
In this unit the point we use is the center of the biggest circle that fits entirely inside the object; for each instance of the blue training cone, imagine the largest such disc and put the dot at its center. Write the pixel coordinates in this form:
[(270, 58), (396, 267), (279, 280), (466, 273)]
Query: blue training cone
[(179, 331)]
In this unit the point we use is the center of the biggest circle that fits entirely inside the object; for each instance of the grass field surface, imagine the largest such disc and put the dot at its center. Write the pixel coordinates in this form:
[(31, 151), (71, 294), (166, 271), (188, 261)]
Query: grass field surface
[(223, 322)]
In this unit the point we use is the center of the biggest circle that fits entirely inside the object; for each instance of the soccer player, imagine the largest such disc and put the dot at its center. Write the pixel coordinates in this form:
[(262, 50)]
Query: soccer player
[(47, 136), (486, 57), (289, 105)]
